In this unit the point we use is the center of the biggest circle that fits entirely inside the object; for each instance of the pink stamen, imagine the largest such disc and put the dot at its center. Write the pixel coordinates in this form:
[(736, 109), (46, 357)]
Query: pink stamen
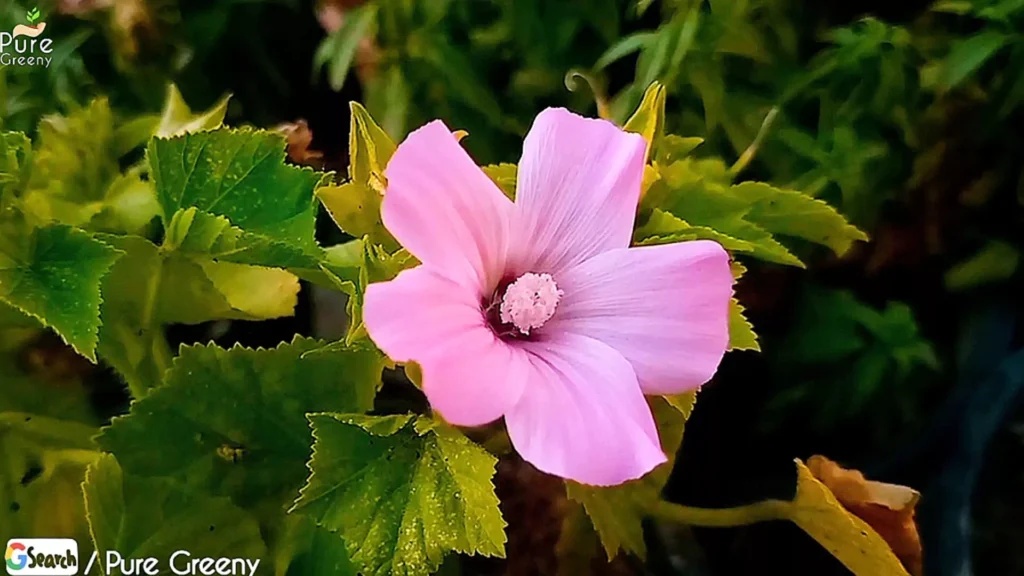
[(530, 301)]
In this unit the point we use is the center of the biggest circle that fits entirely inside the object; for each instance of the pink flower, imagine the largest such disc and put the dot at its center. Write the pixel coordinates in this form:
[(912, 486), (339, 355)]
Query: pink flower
[(538, 310)]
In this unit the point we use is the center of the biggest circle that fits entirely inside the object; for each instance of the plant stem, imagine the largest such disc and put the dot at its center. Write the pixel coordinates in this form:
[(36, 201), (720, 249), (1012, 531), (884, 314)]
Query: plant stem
[(751, 150), (720, 517)]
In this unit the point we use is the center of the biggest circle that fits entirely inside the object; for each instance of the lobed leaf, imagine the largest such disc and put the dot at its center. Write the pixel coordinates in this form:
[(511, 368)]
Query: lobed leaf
[(240, 175), (402, 491), (792, 213), (233, 421), (53, 274)]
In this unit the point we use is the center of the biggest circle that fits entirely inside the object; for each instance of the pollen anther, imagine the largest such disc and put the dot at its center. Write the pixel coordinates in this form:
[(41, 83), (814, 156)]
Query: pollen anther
[(530, 301)]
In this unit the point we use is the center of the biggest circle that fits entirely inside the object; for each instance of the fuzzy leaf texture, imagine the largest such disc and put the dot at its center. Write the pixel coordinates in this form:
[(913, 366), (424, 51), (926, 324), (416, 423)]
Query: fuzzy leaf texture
[(240, 175), (402, 491), (53, 274), (234, 421)]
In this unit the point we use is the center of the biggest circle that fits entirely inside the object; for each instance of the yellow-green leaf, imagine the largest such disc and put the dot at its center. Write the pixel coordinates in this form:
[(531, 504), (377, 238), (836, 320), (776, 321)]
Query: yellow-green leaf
[(817, 511), (672, 148), (665, 228), (369, 148), (851, 540), (792, 213), (649, 118), (355, 208), (504, 175), (177, 118), (741, 331)]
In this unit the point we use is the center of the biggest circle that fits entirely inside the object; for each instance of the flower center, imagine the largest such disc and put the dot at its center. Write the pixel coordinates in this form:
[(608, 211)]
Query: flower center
[(530, 301)]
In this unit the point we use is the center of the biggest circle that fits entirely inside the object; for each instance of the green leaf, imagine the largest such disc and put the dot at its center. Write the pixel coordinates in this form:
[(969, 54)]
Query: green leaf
[(623, 47), (203, 235), (996, 261), (355, 208), (240, 175), (44, 461), (74, 164), (361, 263), (134, 133), (741, 331), (792, 213), (131, 338), (695, 191), (129, 205), (233, 421), (369, 149), (665, 228), (504, 175), (402, 492), (177, 118), (338, 50), (969, 55), (618, 512), (673, 148), (305, 549), (141, 517), (649, 118), (54, 274), (15, 159)]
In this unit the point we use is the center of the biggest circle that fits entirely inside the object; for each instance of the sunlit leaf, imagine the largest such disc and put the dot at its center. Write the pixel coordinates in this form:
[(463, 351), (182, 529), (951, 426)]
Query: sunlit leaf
[(54, 274), (240, 175), (504, 175), (355, 208), (741, 331), (649, 118), (177, 118)]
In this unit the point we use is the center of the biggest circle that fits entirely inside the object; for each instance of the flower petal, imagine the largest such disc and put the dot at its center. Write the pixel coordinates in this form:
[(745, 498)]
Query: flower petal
[(582, 415), (469, 375), (445, 210), (665, 308), (577, 191)]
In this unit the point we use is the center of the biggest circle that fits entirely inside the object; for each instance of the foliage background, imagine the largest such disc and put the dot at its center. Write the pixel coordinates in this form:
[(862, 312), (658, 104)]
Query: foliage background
[(890, 359)]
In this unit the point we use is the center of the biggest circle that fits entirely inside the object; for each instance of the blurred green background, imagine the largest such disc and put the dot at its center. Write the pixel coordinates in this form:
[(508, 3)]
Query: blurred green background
[(901, 359)]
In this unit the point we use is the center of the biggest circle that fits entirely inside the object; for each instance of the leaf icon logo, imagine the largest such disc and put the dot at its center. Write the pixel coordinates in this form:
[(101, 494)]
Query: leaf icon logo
[(32, 15)]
